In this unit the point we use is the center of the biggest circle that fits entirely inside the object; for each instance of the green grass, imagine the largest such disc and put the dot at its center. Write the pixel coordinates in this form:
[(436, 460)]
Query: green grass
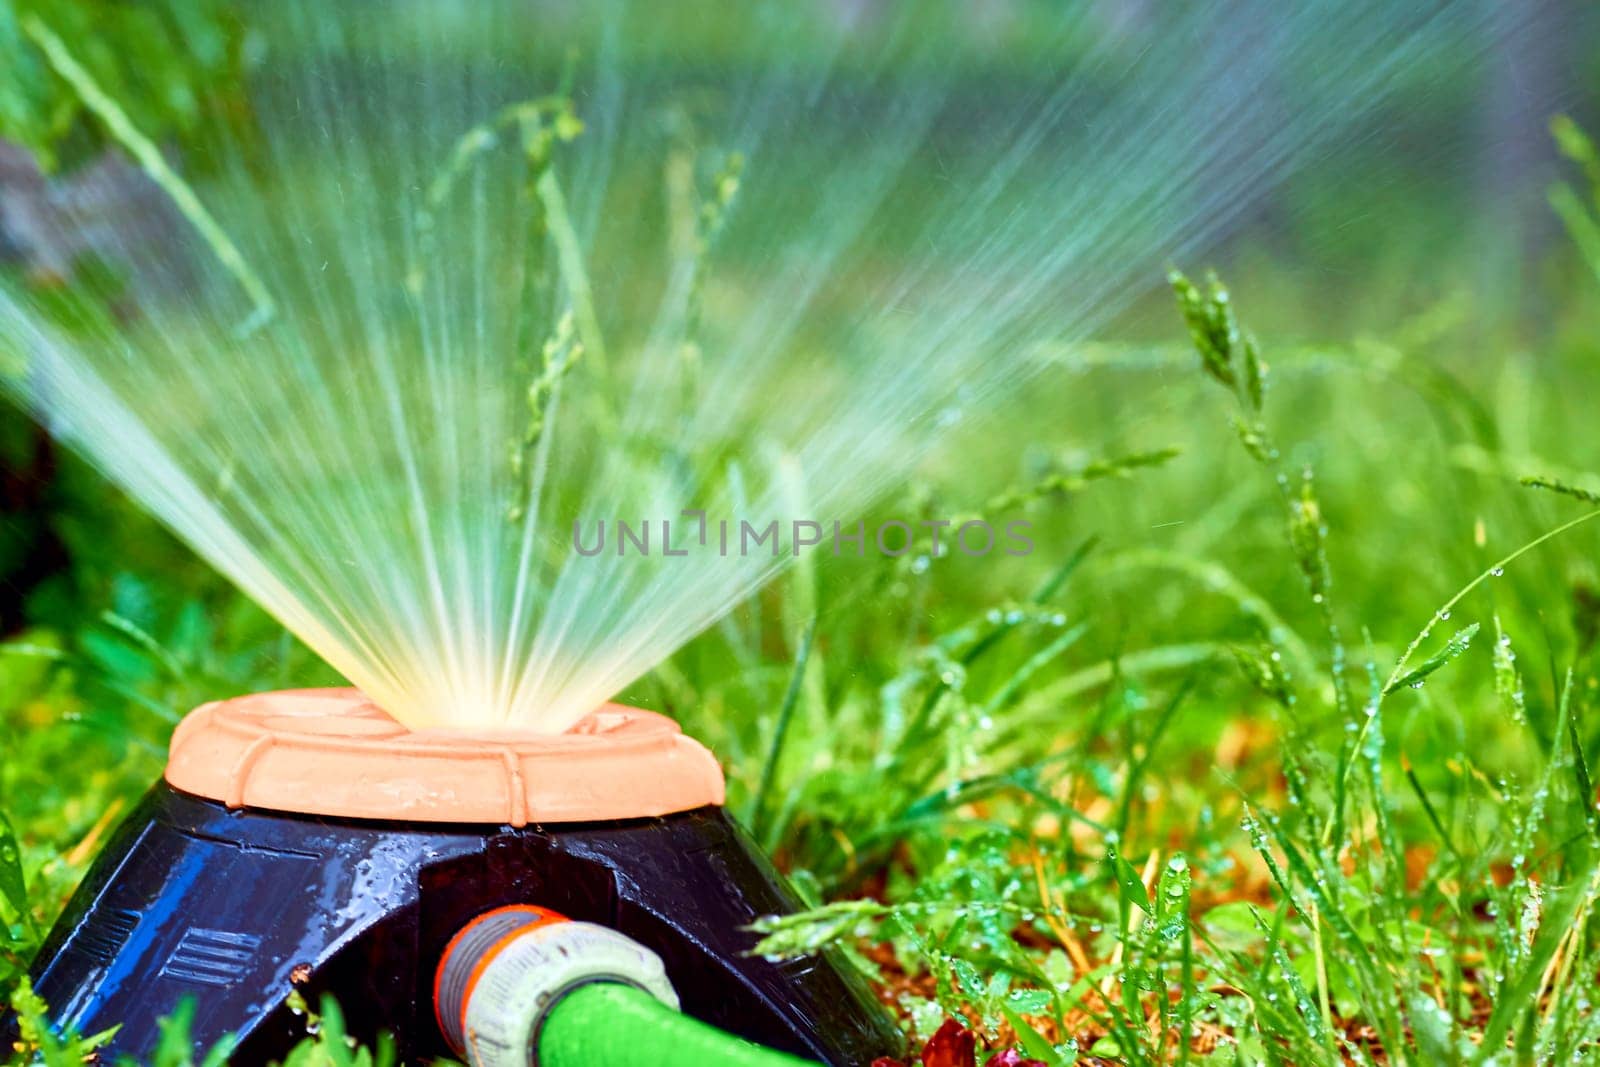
[(1279, 749), (1371, 882)]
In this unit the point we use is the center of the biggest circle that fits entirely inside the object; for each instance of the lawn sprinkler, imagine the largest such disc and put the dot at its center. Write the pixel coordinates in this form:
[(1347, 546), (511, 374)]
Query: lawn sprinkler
[(504, 898)]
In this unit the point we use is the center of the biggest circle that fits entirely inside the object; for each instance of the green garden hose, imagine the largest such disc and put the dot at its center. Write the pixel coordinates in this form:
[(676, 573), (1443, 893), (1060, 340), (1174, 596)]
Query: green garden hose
[(608, 1024), (523, 986)]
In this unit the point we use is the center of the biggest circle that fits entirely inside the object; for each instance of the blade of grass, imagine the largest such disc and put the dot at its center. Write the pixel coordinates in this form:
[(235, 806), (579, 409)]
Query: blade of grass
[(1493, 571), (1427, 806), (1560, 915), (154, 164), (1453, 648), (569, 256), (1137, 771), (754, 815), (13, 886)]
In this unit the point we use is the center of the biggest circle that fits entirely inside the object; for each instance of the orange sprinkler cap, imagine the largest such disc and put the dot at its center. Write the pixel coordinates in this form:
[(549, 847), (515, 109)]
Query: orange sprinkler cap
[(333, 752)]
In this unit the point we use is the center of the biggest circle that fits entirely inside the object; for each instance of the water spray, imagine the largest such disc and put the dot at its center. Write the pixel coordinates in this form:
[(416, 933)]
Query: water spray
[(418, 325)]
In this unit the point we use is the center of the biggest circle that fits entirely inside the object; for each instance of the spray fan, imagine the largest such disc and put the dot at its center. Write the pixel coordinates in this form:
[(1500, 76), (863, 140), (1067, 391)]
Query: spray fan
[(502, 898)]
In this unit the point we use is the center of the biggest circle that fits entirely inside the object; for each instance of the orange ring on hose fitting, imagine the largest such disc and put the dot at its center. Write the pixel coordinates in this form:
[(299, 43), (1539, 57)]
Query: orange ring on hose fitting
[(495, 929)]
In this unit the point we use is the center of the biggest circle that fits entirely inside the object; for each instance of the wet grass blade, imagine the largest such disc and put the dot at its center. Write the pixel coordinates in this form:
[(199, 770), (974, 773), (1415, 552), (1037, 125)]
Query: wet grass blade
[(1571, 906), (755, 814), (1453, 648), (13, 887)]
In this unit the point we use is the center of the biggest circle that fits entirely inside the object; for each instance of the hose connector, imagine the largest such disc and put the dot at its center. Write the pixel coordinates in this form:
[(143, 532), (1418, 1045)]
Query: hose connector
[(505, 970)]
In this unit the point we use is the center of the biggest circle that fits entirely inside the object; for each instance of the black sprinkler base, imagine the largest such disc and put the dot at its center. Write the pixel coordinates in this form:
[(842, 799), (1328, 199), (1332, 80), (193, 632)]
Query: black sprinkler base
[(236, 909)]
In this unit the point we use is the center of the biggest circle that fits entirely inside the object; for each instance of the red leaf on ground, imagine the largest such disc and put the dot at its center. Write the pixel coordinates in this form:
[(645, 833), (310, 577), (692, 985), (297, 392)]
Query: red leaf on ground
[(1011, 1058), (953, 1046)]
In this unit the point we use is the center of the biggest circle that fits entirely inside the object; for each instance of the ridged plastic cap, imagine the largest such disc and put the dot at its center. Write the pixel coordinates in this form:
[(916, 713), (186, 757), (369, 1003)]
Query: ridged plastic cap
[(332, 752)]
